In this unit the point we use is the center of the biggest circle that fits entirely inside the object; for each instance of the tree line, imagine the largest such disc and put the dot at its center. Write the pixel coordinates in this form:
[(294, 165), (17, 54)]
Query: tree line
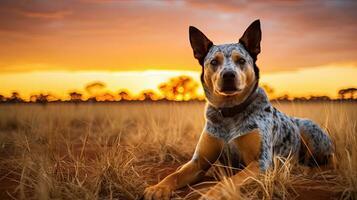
[(181, 88)]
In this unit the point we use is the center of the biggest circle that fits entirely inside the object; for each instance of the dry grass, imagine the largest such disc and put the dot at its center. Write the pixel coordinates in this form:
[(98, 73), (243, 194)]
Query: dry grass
[(113, 151)]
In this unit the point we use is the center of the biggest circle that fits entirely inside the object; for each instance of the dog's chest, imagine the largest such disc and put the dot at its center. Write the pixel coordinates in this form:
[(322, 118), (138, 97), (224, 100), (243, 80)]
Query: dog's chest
[(278, 131), (257, 115)]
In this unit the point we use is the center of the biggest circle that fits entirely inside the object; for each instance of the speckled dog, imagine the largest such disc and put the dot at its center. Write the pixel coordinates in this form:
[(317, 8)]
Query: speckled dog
[(240, 116)]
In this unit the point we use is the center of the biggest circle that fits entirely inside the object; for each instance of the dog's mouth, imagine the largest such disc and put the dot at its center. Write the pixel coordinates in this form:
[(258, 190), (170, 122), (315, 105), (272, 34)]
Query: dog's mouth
[(228, 91), (228, 87)]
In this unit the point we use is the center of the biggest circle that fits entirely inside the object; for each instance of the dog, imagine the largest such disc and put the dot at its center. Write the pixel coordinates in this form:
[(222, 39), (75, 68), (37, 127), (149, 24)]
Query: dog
[(238, 113)]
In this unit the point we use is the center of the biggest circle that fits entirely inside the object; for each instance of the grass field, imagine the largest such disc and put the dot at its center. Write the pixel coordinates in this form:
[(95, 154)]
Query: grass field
[(113, 151)]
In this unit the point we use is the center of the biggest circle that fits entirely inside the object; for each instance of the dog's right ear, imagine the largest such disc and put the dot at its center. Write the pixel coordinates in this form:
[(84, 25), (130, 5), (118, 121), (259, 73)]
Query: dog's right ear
[(199, 43)]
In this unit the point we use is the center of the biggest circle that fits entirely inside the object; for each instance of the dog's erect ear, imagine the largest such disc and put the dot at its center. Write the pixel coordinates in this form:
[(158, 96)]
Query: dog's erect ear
[(251, 39), (199, 43)]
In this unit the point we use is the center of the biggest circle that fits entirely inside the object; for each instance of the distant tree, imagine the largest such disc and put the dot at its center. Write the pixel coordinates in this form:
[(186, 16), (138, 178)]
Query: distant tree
[(352, 91), (92, 99), (15, 98), (284, 97), (341, 94), (319, 98), (33, 98), (300, 99), (108, 96), (347, 91), (52, 98), (148, 95), (124, 95), (2, 98), (42, 98), (75, 97), (15, 95), (179, 88), (105, 97), (95, 88)]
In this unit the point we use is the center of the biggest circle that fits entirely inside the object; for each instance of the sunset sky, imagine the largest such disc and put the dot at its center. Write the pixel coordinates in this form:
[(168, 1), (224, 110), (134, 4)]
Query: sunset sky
[(308, 47)]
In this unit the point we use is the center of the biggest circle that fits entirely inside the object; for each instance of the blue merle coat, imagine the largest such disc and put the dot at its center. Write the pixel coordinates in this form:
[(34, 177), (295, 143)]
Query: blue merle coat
[(281, 134)]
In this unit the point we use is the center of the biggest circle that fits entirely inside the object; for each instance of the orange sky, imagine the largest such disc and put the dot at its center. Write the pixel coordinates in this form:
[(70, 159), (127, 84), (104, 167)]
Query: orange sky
[(65, 40)]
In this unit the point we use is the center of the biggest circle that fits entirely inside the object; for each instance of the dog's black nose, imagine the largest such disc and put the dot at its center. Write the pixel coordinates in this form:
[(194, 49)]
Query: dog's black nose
[(229, 75)]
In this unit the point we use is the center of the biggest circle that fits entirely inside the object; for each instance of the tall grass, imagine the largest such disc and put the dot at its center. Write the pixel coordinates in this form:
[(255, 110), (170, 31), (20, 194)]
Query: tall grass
[(113, 151)]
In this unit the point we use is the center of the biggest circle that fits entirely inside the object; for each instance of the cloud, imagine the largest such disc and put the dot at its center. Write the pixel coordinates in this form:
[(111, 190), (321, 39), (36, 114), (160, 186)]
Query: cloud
[(303, 32), (111, 35), (47, 15)]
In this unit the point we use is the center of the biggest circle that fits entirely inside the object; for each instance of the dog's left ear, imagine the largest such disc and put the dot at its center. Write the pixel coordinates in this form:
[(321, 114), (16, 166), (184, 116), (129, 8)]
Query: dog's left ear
[(251, 39)]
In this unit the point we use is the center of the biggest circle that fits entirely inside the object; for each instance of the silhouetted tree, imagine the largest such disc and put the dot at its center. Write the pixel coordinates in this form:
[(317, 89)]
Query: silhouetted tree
[(15, 98), (179, 88), (341, 93), (33, 98), (319, 98), (92, 99), (95, 88), (42, 98), (2, 98), (75, 97), (284, 97), (300, 99), (105, 97), (346, 91), (52, 98), (148, 95), (352, 92), (124, 95)]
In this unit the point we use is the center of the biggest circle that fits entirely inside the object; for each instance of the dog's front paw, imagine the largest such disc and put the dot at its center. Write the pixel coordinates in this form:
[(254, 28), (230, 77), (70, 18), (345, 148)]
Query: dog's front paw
[(157, 192)]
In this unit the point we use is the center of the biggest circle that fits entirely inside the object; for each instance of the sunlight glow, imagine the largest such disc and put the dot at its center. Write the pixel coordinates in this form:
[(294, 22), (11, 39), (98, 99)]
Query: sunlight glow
[(323, 80)]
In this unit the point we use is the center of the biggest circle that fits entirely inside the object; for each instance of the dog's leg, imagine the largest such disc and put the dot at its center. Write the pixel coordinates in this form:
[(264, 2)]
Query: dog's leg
[(249, 146), (316, 147), (217, 191), (207, 152), (314, 161)]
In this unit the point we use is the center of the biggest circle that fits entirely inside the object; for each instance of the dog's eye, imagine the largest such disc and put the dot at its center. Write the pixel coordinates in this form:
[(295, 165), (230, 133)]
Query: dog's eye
[(214, 62), (241, 61)]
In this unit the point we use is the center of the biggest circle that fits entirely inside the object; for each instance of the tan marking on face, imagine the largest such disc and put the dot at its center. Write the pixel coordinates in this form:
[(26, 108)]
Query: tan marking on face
[(208, 76), (236, 56), (211, 75), (249, 74), (219, 56), (246, 71)]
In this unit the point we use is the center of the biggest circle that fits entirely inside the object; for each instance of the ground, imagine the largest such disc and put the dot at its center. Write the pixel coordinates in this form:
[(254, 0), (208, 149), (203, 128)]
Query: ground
[(115, 150)]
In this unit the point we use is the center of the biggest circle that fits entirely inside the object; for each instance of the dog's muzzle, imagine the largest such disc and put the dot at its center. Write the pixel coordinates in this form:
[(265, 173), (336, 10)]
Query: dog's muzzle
[(228, 83)]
